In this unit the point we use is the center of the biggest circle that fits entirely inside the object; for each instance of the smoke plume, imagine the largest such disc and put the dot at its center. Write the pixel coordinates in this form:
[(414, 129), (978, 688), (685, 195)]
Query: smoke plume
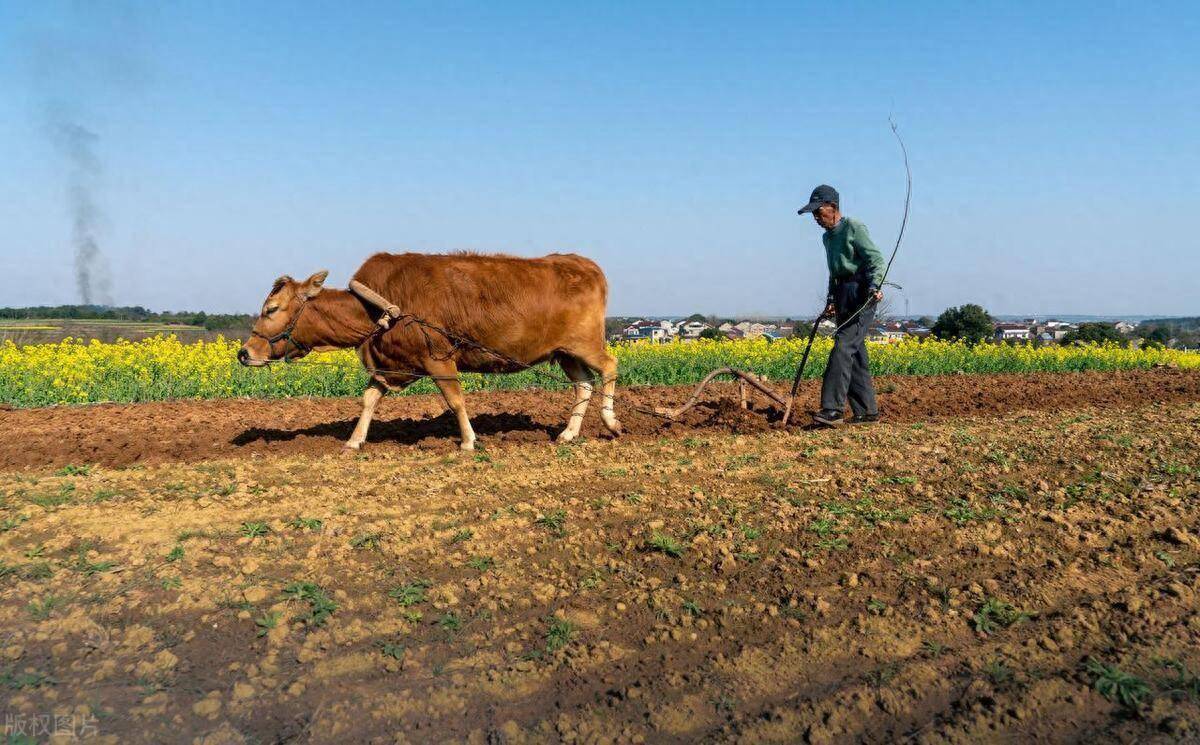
[(83, 69), (77, 146)]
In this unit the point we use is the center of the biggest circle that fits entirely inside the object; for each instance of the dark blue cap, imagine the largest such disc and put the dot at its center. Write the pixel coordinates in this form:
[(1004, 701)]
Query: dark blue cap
[(823, 194)]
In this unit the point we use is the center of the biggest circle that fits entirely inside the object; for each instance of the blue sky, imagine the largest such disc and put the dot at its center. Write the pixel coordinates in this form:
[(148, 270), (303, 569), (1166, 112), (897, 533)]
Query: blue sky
[(1054, 146)]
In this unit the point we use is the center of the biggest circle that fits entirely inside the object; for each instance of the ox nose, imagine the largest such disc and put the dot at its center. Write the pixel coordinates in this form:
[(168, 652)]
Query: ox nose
[(243, 356)]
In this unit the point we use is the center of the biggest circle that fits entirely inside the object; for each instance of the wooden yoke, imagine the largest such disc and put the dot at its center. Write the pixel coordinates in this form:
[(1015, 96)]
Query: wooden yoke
[(391, 311)]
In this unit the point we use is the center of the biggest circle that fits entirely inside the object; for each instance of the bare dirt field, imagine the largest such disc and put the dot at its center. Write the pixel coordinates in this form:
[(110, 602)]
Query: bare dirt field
[(124, 434), (1007, 558)]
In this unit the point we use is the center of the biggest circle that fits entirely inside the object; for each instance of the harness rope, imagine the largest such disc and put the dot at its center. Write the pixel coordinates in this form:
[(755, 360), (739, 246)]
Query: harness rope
[(547, 379), (392, 313)]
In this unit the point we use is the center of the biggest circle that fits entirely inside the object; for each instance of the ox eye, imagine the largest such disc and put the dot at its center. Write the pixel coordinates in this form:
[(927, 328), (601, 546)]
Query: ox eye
[(270, 310)]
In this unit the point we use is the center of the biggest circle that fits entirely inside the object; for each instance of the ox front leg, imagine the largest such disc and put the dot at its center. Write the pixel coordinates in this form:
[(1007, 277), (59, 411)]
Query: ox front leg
[(453, 394), (371, 397)]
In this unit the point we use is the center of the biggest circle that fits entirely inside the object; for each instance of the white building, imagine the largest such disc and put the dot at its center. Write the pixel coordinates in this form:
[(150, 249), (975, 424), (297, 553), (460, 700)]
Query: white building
[(1012, 331), (692, 329), (652, 330), (752, 329)]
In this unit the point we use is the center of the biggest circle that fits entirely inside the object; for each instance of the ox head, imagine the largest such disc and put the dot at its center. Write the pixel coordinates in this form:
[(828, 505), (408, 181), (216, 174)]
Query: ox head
[(274, 334)]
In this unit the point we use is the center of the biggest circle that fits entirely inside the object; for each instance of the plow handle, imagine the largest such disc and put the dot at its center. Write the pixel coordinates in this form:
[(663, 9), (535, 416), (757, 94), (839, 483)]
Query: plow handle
[(787, 412)]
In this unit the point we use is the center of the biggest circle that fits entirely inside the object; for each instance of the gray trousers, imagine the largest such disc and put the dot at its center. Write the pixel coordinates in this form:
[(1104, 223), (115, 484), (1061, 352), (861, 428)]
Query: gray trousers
[(848, 375)]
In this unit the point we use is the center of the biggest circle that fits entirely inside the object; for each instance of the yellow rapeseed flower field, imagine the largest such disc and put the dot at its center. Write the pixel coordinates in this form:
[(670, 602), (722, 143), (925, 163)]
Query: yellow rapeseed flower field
[(162, 367)]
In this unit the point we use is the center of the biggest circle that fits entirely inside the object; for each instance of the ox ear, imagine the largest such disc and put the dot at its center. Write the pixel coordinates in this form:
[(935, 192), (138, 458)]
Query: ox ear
[(312, 286), (280, 283)]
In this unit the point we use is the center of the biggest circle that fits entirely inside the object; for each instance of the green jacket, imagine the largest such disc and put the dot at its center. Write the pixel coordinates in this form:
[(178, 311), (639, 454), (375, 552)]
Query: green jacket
[(849, 251)]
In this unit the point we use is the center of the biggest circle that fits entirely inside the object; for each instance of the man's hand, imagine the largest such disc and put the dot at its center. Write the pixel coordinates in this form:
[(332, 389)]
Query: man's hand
[(830, 310), (877, 296)]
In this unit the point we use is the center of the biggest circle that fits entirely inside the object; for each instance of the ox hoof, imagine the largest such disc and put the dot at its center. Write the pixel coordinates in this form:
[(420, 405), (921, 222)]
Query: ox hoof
[(564, 438), (349, 449), (467, 446)]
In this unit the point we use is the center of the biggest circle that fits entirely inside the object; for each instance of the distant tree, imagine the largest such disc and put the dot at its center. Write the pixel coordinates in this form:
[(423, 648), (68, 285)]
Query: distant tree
[(970, 323), (89, 312), (222, 322), (1094, 333), (711, 333), (1159, 334), (801, 329), (697, 317), (926, 321), (1192, 322)]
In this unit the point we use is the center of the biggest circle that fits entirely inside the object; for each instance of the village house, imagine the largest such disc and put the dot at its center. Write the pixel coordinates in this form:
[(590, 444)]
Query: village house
[(912, 328), (1051, 331), (652, 330), (1013, 332), (753, 329), (886, 335)]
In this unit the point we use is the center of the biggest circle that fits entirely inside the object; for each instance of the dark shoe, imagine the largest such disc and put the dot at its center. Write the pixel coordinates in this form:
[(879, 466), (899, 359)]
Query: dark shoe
[(865, 418), (828, 418)]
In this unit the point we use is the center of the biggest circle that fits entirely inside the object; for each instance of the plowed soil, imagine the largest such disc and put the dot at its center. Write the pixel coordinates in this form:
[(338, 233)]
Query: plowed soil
[(122, 434), (1004, 559)]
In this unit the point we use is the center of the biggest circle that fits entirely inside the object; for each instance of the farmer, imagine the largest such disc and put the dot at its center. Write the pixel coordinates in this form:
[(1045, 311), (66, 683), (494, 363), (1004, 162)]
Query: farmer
[(855, 279)]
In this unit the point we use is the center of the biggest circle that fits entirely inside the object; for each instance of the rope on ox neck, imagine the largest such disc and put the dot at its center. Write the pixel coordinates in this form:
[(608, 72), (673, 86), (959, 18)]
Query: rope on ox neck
[(392, 314), (286, 334), (412, 373)]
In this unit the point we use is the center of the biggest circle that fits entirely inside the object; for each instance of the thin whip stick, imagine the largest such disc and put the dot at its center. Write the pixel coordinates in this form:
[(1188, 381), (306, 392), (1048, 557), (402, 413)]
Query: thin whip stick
[(870, 301)]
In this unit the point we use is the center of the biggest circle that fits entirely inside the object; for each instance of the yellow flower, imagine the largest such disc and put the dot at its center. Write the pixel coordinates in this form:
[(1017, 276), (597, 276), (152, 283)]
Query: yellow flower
[(162, 367)]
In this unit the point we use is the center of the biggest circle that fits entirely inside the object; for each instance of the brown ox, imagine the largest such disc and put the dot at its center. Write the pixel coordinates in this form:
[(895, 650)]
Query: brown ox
[(526, 310)]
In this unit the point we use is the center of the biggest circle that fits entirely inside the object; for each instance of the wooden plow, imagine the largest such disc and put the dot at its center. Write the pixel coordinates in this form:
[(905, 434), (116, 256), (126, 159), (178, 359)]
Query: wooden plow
[(757, 383), (746, 381)]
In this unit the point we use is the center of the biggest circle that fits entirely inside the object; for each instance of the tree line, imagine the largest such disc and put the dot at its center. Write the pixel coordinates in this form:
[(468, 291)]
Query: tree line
[(972, 324), (208, 321)]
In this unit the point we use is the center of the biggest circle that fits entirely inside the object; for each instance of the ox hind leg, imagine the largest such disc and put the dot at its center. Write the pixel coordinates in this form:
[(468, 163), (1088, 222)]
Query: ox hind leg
[(605, 365), (581, 376), (445, 375)]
